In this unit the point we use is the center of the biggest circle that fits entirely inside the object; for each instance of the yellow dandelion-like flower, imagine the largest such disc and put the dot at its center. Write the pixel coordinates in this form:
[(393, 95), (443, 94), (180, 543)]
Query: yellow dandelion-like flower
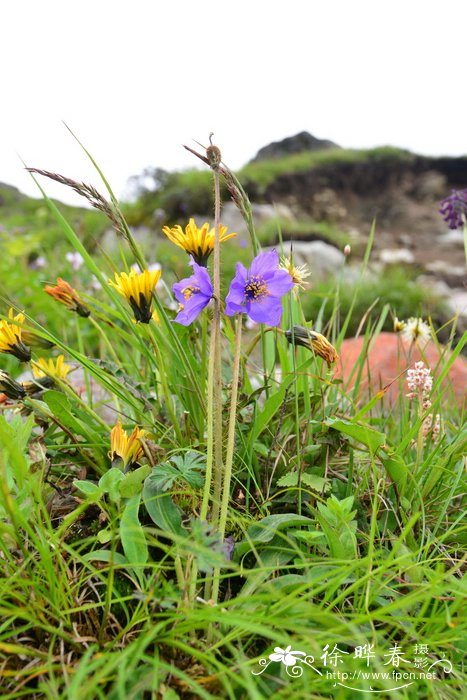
[(123, 448), (137, 288), (416, 331), (11, 338), (69, 297), (54, 367), (316, 342), (298, 273), (198, 242)]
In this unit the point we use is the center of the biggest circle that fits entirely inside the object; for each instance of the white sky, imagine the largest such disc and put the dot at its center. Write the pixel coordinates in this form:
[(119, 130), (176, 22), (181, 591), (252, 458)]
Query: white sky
[(135, 79)]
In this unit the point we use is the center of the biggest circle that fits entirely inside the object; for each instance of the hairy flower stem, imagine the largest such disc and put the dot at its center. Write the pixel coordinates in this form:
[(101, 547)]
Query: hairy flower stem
[(209, 467), (217, 371), (230, 449), (214, 462), (297, 412)]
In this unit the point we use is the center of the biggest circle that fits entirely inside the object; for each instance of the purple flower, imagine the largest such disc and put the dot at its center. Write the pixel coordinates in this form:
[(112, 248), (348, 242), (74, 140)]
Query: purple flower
[(194, 293), (258, 291), (454, 209)]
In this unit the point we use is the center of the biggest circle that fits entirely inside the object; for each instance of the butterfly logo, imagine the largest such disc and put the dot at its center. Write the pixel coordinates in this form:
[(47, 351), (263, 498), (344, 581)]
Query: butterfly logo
[(286, 656)]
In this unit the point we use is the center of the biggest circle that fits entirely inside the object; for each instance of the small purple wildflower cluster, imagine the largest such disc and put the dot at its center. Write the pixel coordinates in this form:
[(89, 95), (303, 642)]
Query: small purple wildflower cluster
[(256, 291), (454, 209)]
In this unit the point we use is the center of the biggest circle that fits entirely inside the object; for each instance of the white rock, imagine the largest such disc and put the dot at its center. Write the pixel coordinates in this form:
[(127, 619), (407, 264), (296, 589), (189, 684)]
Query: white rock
[(392, 256), (443, 267), (323, 260), (454, 237)]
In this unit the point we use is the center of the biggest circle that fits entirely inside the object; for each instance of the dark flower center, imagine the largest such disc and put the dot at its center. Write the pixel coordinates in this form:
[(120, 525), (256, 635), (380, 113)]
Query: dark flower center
[(142, 309), (255, 289)]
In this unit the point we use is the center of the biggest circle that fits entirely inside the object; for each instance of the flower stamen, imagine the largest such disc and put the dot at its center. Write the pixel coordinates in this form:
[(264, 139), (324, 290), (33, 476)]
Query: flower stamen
[(255, 289)]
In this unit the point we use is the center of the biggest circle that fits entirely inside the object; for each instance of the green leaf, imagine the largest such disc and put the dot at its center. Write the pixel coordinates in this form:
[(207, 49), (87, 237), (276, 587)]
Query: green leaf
[(317, 483), (362, 433), (61, 407), (395, 467), (88, 488), (186, 467), (133, 537), (310, 536), (339, 527), (271, 406), (260, 449), (271, 559), (264, 530), (132, 483), (203, 542), (162, 510), (110, 483), (14, 437), (165, 476), (104, 536), (107, 556)]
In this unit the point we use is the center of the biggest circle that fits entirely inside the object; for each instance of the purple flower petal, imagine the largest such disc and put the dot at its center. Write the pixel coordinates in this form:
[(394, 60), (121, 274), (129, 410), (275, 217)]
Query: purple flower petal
[(232, 308), (192, 308), (241, 273), (235, 299), (202, 277), (264, 263), (178, 287), (279, 283), (258, 291), (236, 293), (194, 293), (268, 310)]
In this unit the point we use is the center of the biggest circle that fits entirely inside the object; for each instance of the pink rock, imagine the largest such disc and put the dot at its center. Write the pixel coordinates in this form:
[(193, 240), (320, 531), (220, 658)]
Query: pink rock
[(388, 359)]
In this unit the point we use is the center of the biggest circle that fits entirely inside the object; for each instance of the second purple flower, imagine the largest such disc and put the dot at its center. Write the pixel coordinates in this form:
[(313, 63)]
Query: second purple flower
[(258, 291), (193, 293)]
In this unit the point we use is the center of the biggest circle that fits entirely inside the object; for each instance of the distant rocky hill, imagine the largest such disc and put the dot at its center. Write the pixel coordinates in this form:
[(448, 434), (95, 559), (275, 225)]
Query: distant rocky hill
[(299, 143)]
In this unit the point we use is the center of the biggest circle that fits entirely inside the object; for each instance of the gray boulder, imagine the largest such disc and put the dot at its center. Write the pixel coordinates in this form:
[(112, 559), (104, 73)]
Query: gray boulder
[(323, 260)]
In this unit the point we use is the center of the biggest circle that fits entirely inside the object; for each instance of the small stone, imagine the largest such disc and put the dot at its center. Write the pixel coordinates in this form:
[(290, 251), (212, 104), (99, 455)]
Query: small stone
[(395, 256)]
